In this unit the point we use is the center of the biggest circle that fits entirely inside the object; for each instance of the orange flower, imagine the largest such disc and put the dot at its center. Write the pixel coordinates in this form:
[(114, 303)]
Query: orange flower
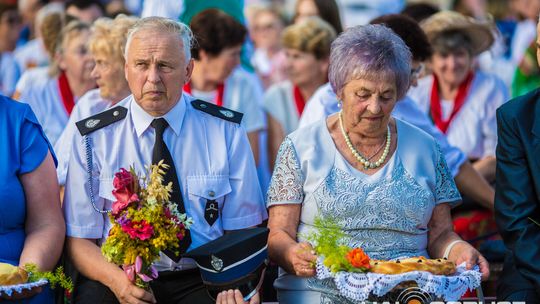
[(358, 258)]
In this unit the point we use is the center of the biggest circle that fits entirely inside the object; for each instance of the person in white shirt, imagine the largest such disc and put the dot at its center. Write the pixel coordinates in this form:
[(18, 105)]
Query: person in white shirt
[(217, 77), (106, 45), (210, 154), (325, 102), (52, 99), (307, 48), (460, 100)]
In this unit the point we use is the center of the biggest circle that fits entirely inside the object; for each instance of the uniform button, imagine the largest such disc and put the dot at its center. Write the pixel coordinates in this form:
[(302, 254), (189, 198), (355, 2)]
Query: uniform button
[(115, 113), (211, 193)]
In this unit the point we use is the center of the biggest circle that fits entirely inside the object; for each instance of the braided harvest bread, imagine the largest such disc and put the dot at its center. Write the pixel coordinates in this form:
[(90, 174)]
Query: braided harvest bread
[(434, 266), (12, 275)]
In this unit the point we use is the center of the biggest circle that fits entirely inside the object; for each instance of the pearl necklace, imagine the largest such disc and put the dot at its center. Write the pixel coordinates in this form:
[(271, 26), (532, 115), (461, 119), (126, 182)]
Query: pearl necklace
[(365, 162)]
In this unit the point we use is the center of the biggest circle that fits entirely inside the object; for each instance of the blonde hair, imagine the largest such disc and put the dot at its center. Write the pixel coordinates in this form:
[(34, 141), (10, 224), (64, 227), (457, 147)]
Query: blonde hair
[(109, 37), (312, 35)]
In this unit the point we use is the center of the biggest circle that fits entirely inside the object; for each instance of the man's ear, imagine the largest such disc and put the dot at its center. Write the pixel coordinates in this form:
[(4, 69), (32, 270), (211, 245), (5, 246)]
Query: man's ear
[(189, 70), (126, 69)]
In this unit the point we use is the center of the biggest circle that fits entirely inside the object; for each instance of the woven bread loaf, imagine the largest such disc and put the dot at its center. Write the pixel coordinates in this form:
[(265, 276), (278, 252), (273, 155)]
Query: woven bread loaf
[(434, 266), (12, 275)]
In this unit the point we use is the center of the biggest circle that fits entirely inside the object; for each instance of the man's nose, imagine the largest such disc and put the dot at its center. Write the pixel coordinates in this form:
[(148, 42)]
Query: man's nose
[(153, 75)]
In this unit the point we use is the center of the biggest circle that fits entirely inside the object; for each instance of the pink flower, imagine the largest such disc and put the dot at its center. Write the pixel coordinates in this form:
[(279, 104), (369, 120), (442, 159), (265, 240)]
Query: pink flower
[(130, 272), (139, 230), (136, 268), (123, 199), (123, 179)]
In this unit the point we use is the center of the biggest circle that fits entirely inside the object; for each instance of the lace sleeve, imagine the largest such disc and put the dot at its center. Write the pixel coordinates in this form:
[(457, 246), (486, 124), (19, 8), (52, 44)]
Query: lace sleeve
[(446, 190), (286, 186)]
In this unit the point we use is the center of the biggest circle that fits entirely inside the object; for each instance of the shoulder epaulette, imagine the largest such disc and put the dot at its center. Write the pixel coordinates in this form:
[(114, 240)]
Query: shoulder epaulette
[(103, 119), (218, 111)]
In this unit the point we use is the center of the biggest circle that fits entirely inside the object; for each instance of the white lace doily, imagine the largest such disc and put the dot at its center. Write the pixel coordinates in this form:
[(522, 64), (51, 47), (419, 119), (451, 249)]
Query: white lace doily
[(358, 286), (9, 289)]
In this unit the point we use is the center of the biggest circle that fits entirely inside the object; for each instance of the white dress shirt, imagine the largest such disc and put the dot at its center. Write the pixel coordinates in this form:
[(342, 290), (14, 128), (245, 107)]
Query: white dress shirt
[(324, 102), (213, 161), (474, 128), (90, 104)]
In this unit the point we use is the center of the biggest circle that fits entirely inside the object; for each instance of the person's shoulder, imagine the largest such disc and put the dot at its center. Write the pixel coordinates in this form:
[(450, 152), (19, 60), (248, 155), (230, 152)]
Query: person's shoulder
[(521, 106), (309, 132), (11, 107), (413, 136), (104, 119), (213, 113)]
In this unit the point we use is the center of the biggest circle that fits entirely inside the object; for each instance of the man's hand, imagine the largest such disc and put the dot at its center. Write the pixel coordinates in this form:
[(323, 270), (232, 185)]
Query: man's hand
[(235, 297), (128, 293)]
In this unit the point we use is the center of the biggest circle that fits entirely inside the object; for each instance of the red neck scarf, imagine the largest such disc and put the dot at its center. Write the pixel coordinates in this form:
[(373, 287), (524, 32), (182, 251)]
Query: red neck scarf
[(435, 102), (65, 93), (219, 96), (298, 100)]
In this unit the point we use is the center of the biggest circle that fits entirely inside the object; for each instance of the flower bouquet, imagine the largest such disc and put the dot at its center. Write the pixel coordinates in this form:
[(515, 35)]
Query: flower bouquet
[(144, 222)]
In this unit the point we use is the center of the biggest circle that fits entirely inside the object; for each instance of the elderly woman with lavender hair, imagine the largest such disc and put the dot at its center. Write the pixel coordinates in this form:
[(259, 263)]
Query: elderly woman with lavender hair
[(384, 181)]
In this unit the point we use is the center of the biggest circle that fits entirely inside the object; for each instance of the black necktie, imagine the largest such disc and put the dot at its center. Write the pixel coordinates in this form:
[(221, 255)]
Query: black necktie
[(161, 152)]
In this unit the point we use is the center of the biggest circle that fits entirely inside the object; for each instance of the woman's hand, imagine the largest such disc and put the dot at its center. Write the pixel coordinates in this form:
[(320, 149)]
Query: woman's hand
[(24, 294), (235, 297), (302, 258), (464, 252)]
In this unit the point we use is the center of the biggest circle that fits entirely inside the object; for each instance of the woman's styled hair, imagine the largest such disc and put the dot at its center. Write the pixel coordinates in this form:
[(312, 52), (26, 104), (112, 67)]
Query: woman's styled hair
[(328, 11), (371, 52), (109, 37), (214, 31), (312, 35), (162, 25)]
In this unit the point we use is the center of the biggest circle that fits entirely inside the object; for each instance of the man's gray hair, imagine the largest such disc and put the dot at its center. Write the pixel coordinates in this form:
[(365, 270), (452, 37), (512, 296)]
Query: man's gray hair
[(162, 25), (372, 52)]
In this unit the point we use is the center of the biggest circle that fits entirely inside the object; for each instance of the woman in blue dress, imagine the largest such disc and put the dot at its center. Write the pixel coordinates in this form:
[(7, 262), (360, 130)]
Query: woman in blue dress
[(384, 181), (32, 227)]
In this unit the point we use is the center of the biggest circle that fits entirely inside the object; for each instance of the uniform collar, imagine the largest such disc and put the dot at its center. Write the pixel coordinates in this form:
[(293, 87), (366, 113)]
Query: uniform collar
[(142, 120)]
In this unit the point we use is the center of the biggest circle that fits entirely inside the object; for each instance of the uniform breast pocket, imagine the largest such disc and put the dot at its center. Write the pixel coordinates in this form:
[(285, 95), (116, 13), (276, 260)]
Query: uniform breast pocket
[(207, 196)]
